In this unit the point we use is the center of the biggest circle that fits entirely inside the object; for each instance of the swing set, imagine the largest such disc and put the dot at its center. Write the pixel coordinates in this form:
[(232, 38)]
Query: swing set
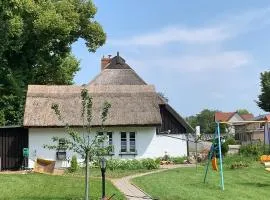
[(215, 154)]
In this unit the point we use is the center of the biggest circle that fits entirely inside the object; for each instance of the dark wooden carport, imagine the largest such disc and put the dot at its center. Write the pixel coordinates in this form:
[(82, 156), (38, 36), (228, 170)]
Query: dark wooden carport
[(12, 142)]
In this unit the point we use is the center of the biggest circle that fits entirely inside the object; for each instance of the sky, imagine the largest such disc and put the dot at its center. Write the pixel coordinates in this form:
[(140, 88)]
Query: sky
[(200, 54)]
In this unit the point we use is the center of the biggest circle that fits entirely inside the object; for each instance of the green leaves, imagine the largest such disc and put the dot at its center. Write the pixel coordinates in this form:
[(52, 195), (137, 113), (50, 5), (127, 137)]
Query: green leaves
[(36, 39), (264, 97)]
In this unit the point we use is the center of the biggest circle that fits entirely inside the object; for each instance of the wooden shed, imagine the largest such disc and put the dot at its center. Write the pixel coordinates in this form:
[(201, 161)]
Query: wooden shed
[(12, 142)]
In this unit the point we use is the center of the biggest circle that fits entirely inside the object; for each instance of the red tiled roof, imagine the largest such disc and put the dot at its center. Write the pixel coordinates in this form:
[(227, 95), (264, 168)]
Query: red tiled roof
[(247, 116), (223, 116)]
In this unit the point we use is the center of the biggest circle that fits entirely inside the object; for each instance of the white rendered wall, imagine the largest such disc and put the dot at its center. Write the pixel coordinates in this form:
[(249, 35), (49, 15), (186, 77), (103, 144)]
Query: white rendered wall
[(148, 144), (235, 118)]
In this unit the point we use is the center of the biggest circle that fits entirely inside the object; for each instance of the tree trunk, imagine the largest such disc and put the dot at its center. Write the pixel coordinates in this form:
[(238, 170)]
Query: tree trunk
[(87, 176)]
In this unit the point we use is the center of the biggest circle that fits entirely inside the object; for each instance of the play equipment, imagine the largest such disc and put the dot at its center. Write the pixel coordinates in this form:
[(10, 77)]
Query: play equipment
[(44, 166), (214, 155), (214, 164)]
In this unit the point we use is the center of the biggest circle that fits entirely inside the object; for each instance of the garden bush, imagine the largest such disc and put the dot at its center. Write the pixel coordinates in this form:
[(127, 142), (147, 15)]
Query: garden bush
[(73, 164), (255, 150), (239, 165), (133, 164), (239, 161), (149, 164), (178, 160), (225, 145)]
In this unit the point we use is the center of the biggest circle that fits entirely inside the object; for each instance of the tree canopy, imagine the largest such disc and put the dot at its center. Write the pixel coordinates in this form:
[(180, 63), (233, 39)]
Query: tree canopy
[(242, 111), (35, 46), (264, 98), (205, 119)]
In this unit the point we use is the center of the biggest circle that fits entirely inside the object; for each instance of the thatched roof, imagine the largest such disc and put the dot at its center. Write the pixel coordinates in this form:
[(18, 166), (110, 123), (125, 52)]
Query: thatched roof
[(133, 102), (136, 105), (117, 72)]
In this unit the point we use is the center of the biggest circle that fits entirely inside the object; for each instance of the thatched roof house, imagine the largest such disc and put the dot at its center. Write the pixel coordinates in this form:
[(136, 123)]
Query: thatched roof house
[(134, 103), (136, 118)]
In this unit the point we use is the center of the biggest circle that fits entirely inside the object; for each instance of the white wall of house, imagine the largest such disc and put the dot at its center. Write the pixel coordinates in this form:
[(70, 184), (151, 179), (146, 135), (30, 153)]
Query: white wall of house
[(148, 144), (235, 118)]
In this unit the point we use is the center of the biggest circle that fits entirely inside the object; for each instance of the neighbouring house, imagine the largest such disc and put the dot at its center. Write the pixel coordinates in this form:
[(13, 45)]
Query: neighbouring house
[(232, 117), (137, 121), (253, 132)]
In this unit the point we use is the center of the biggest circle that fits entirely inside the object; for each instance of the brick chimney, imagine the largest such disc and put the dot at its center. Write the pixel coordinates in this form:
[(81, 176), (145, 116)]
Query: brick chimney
[(105, 61)]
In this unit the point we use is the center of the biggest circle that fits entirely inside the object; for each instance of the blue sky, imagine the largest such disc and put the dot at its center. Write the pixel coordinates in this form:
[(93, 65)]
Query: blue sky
[(200, 54)]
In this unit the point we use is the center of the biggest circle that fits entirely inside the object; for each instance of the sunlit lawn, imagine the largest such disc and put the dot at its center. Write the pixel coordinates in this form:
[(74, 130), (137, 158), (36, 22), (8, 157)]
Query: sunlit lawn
[(45, 187), (186, 183)]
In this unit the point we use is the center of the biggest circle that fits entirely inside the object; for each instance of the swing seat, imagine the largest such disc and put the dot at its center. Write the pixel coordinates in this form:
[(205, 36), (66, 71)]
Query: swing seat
[(214, 164)]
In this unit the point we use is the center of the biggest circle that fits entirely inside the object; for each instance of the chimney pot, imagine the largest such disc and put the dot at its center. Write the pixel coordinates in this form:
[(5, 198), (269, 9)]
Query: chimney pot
[(104, 62)]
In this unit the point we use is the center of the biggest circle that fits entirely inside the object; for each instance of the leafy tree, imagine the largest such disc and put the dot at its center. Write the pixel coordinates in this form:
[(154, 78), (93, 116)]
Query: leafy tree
[(242, 111), (86, 146), (35, 45), (264, 97), (206, 120)]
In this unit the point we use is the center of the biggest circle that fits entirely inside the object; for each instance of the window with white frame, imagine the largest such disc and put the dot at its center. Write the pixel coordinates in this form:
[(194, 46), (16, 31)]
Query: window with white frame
[(128, 142), (109, 140), (132, 142), (123, 142)]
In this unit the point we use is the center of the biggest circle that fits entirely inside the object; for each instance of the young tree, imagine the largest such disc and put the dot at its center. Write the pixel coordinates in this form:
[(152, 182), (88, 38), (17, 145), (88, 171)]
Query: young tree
[(264, 97), (35, 40), (86, 146)]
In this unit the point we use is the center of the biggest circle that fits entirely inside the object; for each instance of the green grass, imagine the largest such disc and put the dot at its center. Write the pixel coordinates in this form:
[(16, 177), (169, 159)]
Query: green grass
[(185, 183), (46, 187), (118, 173)]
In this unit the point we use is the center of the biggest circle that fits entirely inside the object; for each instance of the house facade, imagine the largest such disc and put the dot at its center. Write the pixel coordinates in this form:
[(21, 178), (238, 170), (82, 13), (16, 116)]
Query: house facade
[(232, 117), (254, 132), (138, 120)]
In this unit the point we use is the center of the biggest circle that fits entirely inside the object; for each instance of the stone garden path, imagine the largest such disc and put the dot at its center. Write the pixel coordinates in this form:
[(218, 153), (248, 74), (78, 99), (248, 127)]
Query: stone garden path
[(131, 191)]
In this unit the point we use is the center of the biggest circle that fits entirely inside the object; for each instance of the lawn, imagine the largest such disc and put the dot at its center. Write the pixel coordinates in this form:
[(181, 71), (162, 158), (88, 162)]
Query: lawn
[(45, 187), (186, 183)]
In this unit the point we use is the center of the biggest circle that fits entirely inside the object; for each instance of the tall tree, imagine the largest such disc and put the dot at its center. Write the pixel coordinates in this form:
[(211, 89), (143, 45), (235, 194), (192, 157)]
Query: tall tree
[(242, 111), (264, 97), (35, 46), (206, 120)]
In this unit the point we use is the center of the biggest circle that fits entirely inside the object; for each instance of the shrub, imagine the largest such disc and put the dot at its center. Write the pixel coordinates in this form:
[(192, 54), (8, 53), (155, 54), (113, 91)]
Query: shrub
[(225, 145), (239, 165), (73, 164), (239, 161), (178, 160), (158, 160), (133, 164), (252, 150), (150, 164)]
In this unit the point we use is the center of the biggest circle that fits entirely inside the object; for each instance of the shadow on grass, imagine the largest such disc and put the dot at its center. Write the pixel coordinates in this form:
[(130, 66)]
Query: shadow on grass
[(256, 184)]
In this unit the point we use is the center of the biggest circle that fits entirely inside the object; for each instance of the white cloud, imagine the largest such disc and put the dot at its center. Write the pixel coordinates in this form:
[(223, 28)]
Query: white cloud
[(228, 27), (175, 34), (220, 61), (224, 60)]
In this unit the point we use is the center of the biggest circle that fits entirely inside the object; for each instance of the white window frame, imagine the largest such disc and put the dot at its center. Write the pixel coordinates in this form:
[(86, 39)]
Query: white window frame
[(107, 142), (128, 142)]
